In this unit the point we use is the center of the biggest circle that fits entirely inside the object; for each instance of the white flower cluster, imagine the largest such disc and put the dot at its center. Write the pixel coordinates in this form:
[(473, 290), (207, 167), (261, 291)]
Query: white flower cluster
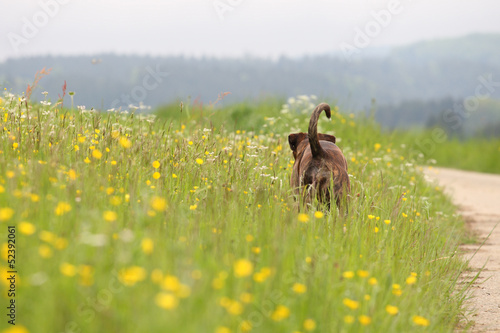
[(301, 104)]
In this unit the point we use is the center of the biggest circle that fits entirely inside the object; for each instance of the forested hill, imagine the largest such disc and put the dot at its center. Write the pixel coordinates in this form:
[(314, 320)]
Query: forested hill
[(431, 70)]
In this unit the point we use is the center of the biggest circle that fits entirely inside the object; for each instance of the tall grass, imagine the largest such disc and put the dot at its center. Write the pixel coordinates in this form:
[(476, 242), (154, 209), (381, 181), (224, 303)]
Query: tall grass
[(476, 154), (185, 222), (435, 147)]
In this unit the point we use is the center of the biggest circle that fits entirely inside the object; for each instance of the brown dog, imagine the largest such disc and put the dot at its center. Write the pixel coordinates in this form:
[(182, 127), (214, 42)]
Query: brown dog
[(318, 161)]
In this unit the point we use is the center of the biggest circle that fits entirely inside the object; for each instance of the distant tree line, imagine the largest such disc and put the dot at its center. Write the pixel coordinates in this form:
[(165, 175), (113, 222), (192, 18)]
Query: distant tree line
[(412, 85)]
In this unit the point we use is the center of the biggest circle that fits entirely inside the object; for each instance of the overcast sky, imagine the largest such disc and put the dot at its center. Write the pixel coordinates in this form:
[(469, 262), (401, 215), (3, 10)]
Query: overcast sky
[(232, 27)]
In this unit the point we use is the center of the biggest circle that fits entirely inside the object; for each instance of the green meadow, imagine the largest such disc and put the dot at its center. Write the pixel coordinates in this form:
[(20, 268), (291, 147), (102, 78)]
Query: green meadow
[(478, 154), (184, 221), (474, 154)]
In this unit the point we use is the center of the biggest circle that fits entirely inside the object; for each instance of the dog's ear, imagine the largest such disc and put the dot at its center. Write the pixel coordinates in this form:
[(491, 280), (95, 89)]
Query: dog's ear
[(327, 137), (294, 139)]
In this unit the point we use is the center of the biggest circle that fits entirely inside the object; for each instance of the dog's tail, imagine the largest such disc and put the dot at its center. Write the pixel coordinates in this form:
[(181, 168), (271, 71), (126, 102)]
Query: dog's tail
[(316, 148)]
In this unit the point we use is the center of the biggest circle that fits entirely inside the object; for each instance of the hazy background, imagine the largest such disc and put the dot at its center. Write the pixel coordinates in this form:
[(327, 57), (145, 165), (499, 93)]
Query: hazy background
[(417, 59), (256, 27)]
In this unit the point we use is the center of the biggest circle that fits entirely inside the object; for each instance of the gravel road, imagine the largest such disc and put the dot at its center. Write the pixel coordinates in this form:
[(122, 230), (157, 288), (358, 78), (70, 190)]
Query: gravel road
[(477, 195)]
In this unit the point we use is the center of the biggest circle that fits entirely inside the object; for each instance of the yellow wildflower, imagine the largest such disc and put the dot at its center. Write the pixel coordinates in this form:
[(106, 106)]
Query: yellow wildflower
[(171, 283), (96, 154), (365, 320), (309, 325), (125, 143), (261, 276), (235, 308), (60, 243), (256, 249), (304, 218), (158, 204), (147, 245), (351, 304), (166, 301), (45, 251), (218, 283), (391, 309), (420, 321), (115, 200), (246, 297), (16, 329), (281, 312), (243, 268), (72, 174), (246, 326), (222, 329), (348, 274), (131, 275), (411, 279), (47, 236), (67, 269), (299, 288), (109, 216), (363, 274), (6, 214), (27, 228), (62, 208), (396, 289), (156, 276)]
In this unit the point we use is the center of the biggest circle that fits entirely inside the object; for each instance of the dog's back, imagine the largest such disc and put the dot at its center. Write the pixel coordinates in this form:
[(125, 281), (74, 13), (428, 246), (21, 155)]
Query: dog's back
[(319, 162), (331, 167)]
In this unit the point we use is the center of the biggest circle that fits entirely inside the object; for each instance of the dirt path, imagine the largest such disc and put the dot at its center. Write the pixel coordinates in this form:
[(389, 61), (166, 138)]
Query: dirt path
[(478, 197)]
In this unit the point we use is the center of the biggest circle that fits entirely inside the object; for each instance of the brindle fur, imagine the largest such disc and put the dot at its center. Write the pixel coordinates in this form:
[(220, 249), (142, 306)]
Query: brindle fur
[(318, 163)]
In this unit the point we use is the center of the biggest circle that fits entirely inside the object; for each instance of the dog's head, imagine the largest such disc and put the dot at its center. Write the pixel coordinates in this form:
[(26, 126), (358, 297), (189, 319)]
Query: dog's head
[(299, 141), (294, 141)]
